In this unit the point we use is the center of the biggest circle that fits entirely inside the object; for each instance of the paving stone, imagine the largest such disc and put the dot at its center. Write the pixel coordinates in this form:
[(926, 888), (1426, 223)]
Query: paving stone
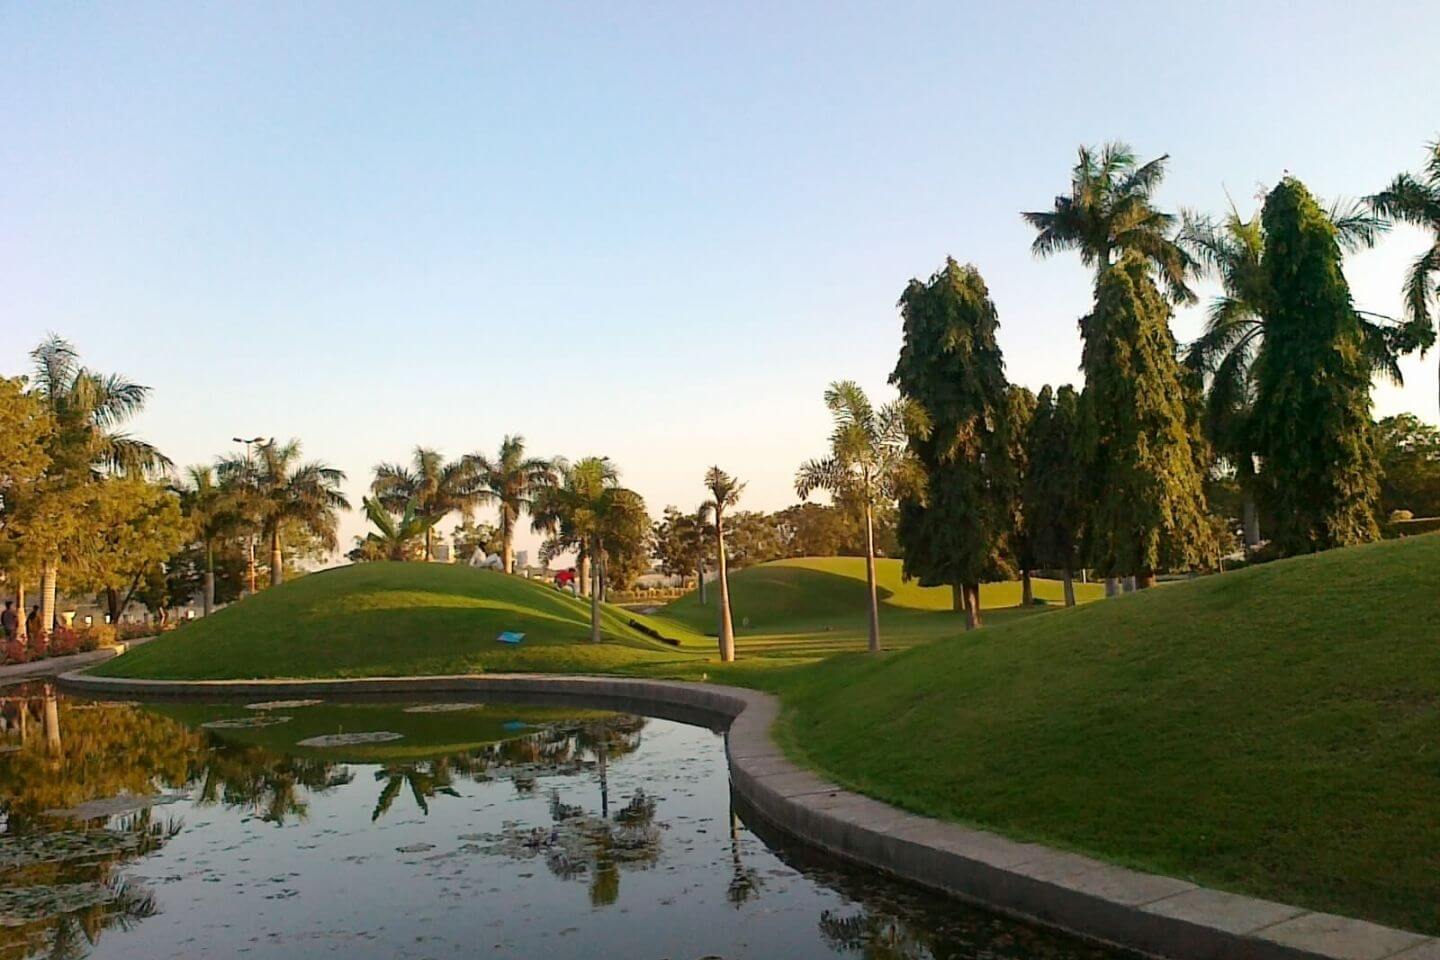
[(977, 845), (1327, 935), (796, 783), (1429, 950), (1223, 911), (1127, 887)]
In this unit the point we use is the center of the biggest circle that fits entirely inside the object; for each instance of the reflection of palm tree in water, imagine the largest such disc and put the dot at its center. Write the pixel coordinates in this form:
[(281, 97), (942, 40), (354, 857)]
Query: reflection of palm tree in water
[(873, 936), (266, 783), (426, 779), (744, 881)]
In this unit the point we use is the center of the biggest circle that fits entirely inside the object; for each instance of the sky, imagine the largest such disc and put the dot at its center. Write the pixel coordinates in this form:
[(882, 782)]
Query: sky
[(653, 231)]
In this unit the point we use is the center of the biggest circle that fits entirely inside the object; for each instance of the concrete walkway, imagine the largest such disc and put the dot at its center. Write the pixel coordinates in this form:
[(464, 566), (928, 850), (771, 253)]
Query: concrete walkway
[(54, 666), (1156, 915)]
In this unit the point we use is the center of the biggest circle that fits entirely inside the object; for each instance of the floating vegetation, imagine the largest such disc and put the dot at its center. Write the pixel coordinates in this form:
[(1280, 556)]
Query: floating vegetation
[(22, 905), (282, 704), (65, 845), (415, 848), (578, 843), (244, 723), (350, 739), (443, 707), (113, 806)]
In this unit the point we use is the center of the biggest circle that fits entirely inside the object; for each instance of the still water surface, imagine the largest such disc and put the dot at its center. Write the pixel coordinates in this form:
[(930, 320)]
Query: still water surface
[(308, 829)]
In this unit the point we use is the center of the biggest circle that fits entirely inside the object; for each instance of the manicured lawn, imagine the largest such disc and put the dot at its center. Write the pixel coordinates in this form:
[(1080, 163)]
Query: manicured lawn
[(382, 619), (1274, 731)]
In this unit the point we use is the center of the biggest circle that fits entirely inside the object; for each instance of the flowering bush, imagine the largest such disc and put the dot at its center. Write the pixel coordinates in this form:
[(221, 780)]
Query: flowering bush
[(39, 647), (16, 652), (64, 641)]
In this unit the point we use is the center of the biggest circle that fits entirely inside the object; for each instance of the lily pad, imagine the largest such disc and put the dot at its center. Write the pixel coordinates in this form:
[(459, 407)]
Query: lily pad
[(111, 806), (443, 707), (22, 905), (350, 739), (64, 845), (281, 704), (244, 723)]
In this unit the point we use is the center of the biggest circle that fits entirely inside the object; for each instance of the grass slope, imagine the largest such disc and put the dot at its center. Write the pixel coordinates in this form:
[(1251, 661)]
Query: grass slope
[(380, 619), (816, 605), (1274, 730)]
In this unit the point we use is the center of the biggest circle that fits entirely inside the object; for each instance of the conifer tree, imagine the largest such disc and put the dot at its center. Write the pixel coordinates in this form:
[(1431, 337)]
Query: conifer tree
[(1148, 503), (1054, 489), (955, 529), (1312, 420)]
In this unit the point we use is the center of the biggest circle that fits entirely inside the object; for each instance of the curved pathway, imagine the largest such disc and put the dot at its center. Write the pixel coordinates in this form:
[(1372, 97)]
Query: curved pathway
[(1153, 914)]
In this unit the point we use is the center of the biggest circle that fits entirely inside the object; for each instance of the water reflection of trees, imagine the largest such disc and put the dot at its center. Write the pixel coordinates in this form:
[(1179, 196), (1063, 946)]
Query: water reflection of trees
[(268, 785)]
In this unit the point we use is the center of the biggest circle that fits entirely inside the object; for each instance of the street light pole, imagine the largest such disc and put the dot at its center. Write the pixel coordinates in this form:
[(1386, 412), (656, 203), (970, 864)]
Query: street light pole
[(250, 534)]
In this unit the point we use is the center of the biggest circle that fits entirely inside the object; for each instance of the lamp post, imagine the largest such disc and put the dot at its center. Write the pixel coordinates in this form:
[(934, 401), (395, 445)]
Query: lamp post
[(250, 535)]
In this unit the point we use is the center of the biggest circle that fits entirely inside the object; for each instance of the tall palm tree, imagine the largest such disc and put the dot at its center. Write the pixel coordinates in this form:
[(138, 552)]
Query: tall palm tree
[(1110, 211), (1415, 199), (725, 492), (868, 464), (88, 409), (394, 537), (1233, 250), (510, 481), (588, 511), (435, 489), (206, 503), (288, 494)]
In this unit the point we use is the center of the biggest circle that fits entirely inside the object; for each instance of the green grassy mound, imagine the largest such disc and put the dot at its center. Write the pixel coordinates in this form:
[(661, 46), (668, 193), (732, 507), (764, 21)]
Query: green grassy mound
[(379, 619), (1275, 730), (817, 605)]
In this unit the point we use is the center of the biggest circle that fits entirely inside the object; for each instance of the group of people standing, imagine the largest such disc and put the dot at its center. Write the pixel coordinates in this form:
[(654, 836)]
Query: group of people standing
[(10, 621)]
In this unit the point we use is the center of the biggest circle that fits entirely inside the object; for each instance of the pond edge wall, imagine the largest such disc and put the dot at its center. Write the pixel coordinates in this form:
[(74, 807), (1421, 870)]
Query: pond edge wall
[(1155, 915)]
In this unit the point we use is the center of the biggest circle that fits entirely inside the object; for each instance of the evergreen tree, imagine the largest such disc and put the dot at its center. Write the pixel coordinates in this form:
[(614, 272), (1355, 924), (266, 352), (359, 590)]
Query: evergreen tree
[(1312, 419), (1054, 488), (1022, 415), (955, 529), (1145, 452)]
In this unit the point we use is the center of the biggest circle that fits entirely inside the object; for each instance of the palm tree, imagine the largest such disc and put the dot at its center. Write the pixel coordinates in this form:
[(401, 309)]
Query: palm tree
[(1109, 212), (395, 537), (868, 464), (1224, 354), (725, 492), (205, 502), (88, 409), (510, 481), (1416, 200), (433, 487), (286, 494), (586, 511)]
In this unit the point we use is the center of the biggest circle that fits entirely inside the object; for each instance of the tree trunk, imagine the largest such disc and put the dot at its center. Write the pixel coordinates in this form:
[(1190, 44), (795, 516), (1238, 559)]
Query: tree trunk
[(727, 629), (112, 604), (1145, 580), (1112, 587), (700, 583), (582, 572), (507, 544), (594, 607), (1027, 589), (277, 559), (250, 573), (20, 625), (1069, 580), (207, 598), (972, 606), (1250, 520), (957, 597), (429, 551), (870, 580), (49, 574)]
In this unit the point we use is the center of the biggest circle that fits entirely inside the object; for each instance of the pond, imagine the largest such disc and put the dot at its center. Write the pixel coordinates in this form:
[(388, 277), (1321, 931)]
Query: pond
[(420, 829)]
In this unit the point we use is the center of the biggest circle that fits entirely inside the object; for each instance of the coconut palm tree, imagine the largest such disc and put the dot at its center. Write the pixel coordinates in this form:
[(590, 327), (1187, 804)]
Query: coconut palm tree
[(1232, 250), (868, 464), (286, 494), (88, 409), (1108, 212), (725, 492), (395, 537), (510, 481), (435, 489), (213, 512), (588, 511), (1415, 199)]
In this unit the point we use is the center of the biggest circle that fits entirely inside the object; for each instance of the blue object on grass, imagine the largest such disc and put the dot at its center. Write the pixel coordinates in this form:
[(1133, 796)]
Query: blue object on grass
[(509, 636), (515, 725)]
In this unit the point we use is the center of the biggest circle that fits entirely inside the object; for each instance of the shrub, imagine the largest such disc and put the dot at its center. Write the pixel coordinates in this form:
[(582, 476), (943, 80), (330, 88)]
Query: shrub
[(64, 641), (39, 647), (16, 652)]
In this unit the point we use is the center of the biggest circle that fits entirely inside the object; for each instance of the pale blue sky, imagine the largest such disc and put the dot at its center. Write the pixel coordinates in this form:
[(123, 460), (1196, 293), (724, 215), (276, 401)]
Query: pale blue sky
[(653, 231)]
